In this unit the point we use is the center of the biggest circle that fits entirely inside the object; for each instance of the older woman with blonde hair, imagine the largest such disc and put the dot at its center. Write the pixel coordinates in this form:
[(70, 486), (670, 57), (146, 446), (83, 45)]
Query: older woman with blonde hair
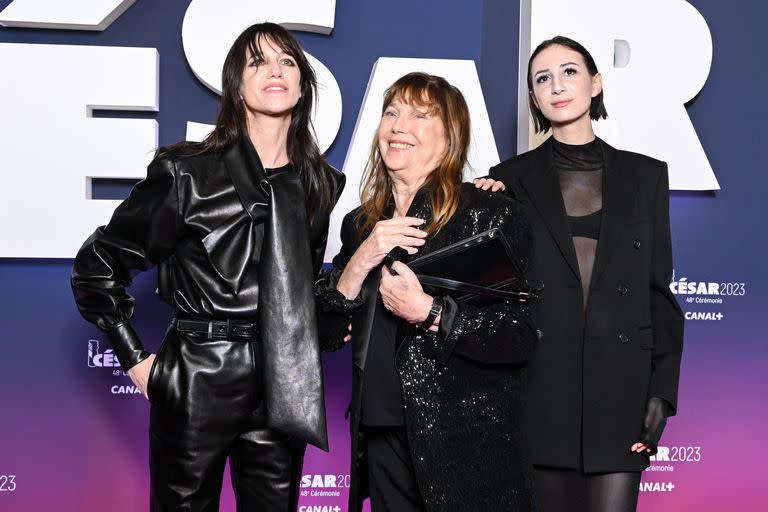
[(437, 383)]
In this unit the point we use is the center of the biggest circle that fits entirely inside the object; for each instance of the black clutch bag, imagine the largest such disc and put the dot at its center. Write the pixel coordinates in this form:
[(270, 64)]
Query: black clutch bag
[(479, 270)]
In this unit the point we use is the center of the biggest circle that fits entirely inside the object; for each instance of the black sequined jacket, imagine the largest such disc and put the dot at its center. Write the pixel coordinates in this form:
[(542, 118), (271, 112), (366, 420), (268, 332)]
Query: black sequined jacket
[(462, 387)]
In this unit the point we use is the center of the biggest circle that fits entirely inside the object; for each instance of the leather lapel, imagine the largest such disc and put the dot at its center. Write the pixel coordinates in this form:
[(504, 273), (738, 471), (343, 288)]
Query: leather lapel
[(619, 193), (290, 347), (248, 177), (542, 185), (370, 296)]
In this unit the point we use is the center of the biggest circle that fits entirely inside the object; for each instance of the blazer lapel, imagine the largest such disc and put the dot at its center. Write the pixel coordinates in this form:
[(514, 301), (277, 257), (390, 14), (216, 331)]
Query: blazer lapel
[(370, 291), (619, 193), (544, 188), (248, 177), (370, 295)]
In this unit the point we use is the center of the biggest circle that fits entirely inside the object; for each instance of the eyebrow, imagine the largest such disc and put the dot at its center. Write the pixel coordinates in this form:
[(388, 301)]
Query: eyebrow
[(561, 65)]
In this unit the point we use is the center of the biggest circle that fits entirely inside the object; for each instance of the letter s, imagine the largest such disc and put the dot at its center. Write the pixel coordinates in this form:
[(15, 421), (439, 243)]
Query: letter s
[(210, 27)]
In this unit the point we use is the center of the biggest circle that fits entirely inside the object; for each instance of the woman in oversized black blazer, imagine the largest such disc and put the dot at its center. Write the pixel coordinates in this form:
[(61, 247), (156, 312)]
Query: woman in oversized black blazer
[(604, 375)]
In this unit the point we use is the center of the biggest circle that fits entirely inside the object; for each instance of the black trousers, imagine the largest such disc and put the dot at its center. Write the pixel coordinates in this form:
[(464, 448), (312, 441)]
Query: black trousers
[(391, 475), (206, 407)]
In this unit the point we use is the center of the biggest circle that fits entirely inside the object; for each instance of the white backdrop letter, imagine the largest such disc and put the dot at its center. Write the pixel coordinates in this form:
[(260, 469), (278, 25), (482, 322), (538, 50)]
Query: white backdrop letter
[(52, 146), (654, 56), (63, 14)]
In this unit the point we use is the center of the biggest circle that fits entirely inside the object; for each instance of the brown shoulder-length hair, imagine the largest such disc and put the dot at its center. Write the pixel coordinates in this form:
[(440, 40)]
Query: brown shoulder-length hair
[(596, 107), (443, 184), (231, 124)]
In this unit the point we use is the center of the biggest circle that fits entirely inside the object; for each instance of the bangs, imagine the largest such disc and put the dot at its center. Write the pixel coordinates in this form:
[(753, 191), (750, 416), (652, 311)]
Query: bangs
[(277, 40), (414, 90)]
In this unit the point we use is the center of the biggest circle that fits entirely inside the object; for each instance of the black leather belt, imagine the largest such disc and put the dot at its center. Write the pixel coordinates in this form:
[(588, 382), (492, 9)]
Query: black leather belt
[(218, 329)]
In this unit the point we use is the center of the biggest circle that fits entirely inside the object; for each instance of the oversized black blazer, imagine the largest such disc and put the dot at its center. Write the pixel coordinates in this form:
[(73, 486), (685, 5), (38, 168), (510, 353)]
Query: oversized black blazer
[(592, 374)]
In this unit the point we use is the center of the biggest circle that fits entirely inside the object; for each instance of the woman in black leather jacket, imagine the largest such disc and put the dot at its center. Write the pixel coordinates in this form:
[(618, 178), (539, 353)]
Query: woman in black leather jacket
[(237, 225), (437, 384)]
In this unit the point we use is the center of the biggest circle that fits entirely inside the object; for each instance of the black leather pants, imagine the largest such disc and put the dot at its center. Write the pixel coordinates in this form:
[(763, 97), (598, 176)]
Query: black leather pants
[(206, 398)]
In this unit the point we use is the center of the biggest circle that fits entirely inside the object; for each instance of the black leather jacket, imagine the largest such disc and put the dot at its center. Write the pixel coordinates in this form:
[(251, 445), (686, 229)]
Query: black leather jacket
[(220, 230), (462, 388)]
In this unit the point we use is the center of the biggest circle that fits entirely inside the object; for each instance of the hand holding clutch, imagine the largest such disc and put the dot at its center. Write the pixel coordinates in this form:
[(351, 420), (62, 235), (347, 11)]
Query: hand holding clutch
[(403, 295)]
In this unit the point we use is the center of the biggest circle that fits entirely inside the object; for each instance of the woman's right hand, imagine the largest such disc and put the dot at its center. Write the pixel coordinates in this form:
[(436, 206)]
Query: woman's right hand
[(385, 236), (139, 374), (489, 184)]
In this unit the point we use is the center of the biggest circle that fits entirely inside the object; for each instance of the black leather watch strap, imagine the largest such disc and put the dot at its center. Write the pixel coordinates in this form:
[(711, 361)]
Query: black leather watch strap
[(434, 312)]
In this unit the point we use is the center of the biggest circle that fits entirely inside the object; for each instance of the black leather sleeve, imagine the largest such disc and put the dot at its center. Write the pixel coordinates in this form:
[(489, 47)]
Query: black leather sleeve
[(666, 315), (142, 232)]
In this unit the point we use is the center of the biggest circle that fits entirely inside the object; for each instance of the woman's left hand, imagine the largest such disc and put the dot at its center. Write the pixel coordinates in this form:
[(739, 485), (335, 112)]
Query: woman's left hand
[(639, 448), (402, 294)]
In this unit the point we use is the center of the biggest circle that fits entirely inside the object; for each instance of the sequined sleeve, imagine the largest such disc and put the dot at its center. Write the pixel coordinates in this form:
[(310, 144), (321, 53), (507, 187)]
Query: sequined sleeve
[(497, 334), (501, 333)]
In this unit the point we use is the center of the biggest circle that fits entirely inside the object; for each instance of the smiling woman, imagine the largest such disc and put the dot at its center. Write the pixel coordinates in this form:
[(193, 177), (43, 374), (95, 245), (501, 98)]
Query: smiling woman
[(437, 384)]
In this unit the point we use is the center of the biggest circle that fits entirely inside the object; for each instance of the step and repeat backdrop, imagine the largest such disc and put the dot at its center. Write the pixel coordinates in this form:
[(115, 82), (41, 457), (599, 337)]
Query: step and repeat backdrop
[(88, 89)]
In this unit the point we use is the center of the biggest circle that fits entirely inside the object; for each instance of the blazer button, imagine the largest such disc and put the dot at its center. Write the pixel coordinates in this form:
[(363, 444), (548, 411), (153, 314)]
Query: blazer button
[(623, 338), (622, 289), (636, 243)]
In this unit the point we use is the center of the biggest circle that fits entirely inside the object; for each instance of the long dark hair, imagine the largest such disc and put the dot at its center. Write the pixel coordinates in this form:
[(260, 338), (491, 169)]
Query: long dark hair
[(231, 121), (596, 107), (445, 101)]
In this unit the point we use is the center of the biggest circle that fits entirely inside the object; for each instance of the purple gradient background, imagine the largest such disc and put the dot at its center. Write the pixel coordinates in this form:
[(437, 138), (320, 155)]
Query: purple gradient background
[(74, 446)]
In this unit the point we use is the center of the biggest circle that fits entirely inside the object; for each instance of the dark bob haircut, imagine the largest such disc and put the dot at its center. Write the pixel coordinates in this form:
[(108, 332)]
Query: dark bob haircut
[(596, 109)]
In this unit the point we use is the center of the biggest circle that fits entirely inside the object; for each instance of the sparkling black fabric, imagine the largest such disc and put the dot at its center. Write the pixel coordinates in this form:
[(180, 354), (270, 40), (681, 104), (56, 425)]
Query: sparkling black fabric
[(463, 387)]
